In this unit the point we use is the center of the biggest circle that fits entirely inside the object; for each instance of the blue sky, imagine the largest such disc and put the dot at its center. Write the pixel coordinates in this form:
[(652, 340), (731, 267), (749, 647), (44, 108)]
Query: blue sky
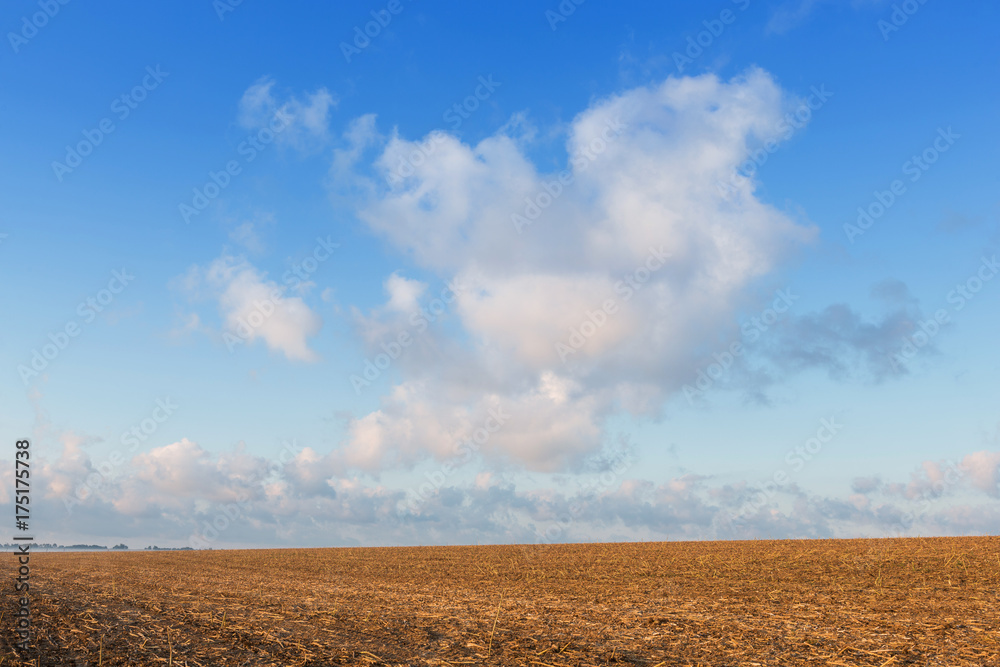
[(410, 160)]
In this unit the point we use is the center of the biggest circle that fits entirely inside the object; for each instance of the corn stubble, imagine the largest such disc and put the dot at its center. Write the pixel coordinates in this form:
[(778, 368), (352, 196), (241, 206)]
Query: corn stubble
[(877, 603)]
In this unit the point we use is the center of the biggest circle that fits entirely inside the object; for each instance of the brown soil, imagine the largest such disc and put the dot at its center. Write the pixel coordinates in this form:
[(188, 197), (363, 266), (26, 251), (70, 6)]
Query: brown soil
[(877, 603)]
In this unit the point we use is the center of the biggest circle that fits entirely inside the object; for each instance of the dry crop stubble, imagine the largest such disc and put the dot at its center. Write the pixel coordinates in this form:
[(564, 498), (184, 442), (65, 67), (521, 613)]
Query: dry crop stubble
[(876, 603)]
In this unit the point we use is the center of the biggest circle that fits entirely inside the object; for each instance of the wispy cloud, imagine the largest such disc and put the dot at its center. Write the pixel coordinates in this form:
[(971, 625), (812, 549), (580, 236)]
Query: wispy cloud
[(793, 13), (254, 308), (308, 119)]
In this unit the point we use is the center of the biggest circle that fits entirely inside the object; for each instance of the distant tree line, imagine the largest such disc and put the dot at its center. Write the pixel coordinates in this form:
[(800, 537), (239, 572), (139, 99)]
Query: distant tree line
[(94, 547)]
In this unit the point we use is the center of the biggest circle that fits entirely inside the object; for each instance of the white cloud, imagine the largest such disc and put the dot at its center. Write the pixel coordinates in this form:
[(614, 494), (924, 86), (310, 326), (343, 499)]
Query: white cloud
[(641, 185), (546, 426), (403, 293), (255, 308), (72, 465), (301, 497), (169, 476)]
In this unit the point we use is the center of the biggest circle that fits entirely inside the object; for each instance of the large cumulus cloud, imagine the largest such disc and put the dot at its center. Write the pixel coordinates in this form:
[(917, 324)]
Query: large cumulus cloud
[(588, 289)]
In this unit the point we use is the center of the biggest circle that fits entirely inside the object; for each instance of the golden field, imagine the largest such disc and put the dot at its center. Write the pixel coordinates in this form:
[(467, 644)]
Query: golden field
[(878, 603)]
